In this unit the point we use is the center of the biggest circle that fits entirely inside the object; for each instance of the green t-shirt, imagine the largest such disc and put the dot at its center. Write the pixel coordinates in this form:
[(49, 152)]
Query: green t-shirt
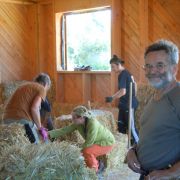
[(96, 133)]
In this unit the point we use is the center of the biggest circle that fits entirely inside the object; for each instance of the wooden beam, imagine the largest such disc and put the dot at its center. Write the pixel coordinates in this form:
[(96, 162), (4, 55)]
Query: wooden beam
[(116, 37), (24, 2), (143, 24), (45, 1), (116, 27)]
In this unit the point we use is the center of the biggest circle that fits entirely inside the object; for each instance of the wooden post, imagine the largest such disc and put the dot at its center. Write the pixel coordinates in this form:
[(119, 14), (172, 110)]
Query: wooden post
[(143, 20), (116, 37), (130, 115)]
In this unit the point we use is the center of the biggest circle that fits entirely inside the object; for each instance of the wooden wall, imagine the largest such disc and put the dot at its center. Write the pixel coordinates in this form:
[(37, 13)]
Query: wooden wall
[(28, 41), (81, 87), (17, 41), (46, 43), (135, 24)]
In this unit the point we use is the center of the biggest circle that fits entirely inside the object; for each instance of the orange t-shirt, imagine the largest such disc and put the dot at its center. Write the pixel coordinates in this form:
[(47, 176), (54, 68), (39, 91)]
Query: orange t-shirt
[(19, 105)]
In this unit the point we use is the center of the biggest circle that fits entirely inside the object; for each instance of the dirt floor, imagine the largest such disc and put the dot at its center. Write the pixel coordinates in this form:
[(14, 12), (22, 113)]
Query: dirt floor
[(123, 174)]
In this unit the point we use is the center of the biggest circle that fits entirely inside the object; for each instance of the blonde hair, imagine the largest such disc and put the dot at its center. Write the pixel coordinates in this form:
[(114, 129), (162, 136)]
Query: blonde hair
[(81, 111)]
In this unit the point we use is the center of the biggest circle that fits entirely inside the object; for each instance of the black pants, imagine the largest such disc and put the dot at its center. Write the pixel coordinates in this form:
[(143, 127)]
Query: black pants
[(123, 118)]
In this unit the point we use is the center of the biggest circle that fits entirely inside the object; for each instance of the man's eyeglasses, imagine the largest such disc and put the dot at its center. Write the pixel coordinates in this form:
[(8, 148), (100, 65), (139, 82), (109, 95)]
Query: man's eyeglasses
[(158, 66)]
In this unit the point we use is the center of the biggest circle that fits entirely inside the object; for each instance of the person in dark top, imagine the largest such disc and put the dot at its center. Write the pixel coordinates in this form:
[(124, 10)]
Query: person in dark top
[(45, 110), (45, 113), (124, 80)]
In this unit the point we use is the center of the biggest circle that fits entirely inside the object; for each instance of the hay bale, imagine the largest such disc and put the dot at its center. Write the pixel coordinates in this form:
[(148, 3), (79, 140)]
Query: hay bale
[(12, 134), (114, 161), (117, 155), (1, 92), (144, 94), (106, 118), (61, 161), (73, 137), (9, 88), (113, 110), (2, 106)]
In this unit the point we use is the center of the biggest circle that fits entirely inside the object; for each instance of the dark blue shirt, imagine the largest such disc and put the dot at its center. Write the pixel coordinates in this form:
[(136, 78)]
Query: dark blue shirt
[(124, 80), (45, 107)]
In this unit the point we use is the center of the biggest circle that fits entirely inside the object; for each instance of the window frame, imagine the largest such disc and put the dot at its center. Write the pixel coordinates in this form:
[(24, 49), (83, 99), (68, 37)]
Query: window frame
[(63, 34)]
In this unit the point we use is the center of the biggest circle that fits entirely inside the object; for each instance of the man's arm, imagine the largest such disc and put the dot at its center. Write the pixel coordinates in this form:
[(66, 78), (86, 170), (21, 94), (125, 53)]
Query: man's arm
[(35, 111)]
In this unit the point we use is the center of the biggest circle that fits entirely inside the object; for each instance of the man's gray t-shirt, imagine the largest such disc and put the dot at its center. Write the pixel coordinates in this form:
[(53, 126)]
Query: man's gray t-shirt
[(159, 143)]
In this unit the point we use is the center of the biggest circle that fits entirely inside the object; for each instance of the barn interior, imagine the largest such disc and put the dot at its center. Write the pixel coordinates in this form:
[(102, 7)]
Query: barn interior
[(33, 40)]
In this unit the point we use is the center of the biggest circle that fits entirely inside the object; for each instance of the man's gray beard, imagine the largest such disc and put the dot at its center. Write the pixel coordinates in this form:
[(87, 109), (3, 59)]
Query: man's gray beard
[(166, 78)]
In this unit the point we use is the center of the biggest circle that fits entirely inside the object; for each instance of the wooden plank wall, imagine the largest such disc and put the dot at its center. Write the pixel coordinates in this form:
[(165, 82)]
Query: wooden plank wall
[(17, 41), (27, 40), (46, 45), (135, 24)]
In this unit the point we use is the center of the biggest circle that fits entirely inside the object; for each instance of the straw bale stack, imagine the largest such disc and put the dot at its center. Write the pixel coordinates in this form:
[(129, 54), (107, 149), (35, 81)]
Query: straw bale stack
[(106, 118), (113, 110), (1, 92), (114, 161), (10, 135), (116, 157), (9, 88), (1, 112), (144, 94), (74, 136), (62, 161)]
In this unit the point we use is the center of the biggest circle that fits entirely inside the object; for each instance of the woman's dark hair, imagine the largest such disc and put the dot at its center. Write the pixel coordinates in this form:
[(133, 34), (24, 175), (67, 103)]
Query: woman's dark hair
[(116, 60)]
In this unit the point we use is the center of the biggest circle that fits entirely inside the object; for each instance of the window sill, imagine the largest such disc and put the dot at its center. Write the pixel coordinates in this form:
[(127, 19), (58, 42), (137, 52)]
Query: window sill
[(84, 72)]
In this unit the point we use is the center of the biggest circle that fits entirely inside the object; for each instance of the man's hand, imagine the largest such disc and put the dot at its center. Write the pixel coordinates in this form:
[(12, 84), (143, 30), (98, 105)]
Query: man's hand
[(109, 99), (44, 133), (132, 161)]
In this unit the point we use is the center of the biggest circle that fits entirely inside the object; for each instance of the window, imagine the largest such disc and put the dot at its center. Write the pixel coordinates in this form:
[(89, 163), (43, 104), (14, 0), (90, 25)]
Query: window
[(86, 40)]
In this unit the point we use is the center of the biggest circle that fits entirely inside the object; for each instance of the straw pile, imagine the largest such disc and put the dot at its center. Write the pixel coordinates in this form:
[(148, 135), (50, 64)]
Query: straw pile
[(117, 155), (106, 118), (106, 107), (1, 92), (61, 161), (10, 135), (144, 94), (9, 88), (1, 112), (114, 161)]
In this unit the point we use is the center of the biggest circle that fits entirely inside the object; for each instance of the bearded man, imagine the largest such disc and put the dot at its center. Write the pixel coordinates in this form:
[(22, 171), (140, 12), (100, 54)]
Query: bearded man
[(157, 154)]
